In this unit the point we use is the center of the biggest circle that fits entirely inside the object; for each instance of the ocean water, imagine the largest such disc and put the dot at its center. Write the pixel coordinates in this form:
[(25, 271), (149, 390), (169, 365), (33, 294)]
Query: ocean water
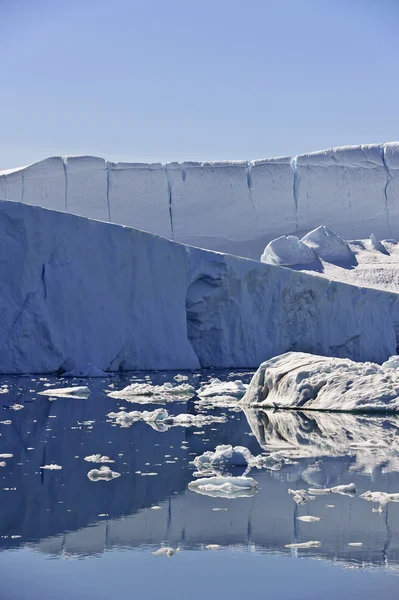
[(63, 536)]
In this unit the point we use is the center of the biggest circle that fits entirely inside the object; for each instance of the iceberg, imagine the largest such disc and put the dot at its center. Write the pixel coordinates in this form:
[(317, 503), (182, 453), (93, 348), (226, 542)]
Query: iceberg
[(229, 206), (298, 380), (224, 456), (68, 392), (163, 305)]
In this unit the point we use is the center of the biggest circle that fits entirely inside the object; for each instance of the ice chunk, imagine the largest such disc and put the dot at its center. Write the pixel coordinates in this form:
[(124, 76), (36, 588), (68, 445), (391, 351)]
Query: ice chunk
[(301, 496), (345, 490), (212, 546), (70, 392), (310, 544), (223, 456), (180, 377), (97, 458), (328, 245), (17, 406), (160, 419), (125, 419), (308, 519), (376, 244), (225, 487), (355, 543), (52, 467), (232, 389), (4, 455), (165, 552), (167, 391), (287, 251), (391, 363), (103, 473), (86, 371), (381, 497), (299, 380)]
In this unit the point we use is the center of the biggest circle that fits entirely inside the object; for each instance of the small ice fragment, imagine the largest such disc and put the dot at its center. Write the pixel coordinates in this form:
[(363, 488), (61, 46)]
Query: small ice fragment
[(71, 392), (330, 505), (148, 474), (97, 458), (338, 489), (231, 389), (355, 544), (3, 463), (16, 406), (6, 455), (180, 378), (155, 507), (382, 497), (51, 467), (309, 519), (219, 509), (103, 473), (212, 546), (310, 544)]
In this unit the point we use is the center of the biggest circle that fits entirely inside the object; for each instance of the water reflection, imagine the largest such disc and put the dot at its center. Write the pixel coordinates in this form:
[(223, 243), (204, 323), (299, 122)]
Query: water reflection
[(63, 513)]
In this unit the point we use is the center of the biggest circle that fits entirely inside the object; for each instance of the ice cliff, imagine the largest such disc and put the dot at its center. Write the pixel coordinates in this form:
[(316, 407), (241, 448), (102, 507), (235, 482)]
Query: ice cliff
[(77, 291), (235, 207)]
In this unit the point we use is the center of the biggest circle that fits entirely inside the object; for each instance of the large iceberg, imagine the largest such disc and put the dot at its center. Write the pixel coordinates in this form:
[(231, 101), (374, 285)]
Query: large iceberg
[(77, 291), (230, 206), (298, 380)]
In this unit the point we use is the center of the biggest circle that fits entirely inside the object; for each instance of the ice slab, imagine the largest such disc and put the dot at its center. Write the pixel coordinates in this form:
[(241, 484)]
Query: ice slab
[(225, 487)]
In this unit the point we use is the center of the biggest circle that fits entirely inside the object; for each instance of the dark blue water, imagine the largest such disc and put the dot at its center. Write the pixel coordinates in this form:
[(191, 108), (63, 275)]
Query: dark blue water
[(64, 536)]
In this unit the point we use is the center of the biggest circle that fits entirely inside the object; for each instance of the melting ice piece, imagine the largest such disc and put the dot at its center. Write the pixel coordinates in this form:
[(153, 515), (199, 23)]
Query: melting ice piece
[(310, 544), (17, 406), (167, 391), (223, 456), (71, 392), (306, 381), (6, 455), (301, 496), (329, 246), (287, 251), (165, 552), (97, 458), (86, 371), (345, 490), (52, 467), (225, 487), (103, 473), (308, 519), (231, 389), (382, 497)]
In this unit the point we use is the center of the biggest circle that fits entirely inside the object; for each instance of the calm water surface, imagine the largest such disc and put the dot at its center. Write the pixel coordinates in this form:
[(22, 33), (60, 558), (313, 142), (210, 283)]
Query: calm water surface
[(63, 536)]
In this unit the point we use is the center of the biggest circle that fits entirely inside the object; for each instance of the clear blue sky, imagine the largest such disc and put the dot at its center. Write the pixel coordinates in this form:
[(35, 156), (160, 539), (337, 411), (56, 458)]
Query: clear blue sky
[(162, 80)]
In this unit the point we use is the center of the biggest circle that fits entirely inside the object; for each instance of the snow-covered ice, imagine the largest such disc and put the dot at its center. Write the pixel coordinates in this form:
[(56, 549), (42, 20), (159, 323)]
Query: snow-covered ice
[(166, 392), (51, 467), (226, 389), (160, 418), (287, 251), (328, 246), (380, 497), (309, 382), (347, 489), (224, 456)]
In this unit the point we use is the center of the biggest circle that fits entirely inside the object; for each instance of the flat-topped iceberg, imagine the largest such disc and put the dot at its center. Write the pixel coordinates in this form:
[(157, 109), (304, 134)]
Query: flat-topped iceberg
[(225, 487), (298, 380)]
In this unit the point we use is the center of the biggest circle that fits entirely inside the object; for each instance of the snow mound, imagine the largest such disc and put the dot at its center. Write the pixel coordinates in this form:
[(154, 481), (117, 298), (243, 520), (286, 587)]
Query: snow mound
[(225, 487), (287, 251), (71, 392), (232, 389), (86, 371), (102, 474), (97, 458), (328, 245), (297, 380), (167, 391)]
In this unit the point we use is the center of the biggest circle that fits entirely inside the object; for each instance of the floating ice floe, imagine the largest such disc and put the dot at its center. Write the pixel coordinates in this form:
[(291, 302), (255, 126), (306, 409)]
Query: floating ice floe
[(225, 487), (224, 389), (3, 463), (310, 544), (69, 392), (161, 420), (5, 455), (16, 406), (380, 497), (301, 496), (52, 467), (212, 546), (165, 552), (344, 490), (297, 380), (308, 519), (97, 458), (86, 371), (147, 393), (103, 473), (225, 456), (179, 377)]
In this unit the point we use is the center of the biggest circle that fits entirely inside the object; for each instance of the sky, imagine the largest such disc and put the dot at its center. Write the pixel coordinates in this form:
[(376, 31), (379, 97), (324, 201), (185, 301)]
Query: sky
[(164, 80)]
